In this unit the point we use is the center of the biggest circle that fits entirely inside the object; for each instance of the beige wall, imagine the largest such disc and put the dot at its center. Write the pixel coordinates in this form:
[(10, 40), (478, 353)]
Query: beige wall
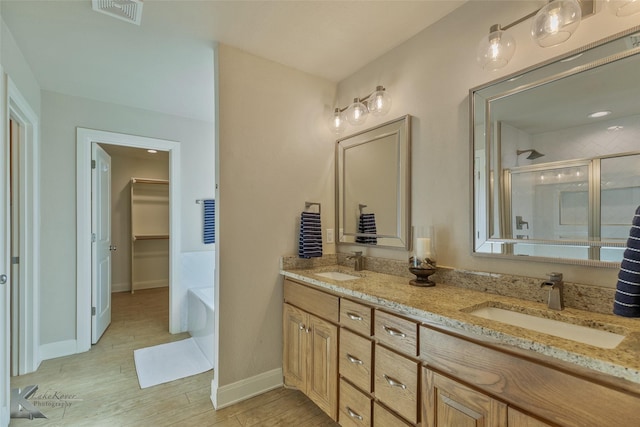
[(429, 77), (275, 153), (61, 114)]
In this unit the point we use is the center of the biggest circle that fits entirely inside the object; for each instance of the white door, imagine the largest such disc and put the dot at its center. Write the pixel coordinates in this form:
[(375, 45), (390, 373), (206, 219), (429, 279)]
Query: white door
[(101, 247), (4, 260)]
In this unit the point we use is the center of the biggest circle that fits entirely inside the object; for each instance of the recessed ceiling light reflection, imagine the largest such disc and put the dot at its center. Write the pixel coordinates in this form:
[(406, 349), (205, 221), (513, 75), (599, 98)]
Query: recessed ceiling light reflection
[(615, 128), (597, 114)]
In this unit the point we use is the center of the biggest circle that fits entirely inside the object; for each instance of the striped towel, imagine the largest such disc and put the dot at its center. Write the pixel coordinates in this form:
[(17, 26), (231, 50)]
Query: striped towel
[(209, 227), (367, 225), (310, 242), (627, 299)]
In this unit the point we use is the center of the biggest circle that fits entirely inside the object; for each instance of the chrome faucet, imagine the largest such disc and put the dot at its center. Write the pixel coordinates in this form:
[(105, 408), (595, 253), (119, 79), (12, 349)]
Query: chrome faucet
[(358, 264), (555, 284)]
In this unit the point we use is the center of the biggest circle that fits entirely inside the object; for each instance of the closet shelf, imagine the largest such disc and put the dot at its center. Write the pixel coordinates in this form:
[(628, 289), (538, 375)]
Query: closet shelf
[(149, 181), (150, 237)]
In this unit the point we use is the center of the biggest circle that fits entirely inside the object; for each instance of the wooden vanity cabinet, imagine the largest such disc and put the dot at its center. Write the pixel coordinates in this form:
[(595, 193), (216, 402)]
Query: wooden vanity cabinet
[(397, 371), (355, 364), (450, 403), (310, 344), (479, 384)]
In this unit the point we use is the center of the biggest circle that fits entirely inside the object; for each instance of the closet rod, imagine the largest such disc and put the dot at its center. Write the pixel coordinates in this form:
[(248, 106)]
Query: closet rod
[(148, 181)]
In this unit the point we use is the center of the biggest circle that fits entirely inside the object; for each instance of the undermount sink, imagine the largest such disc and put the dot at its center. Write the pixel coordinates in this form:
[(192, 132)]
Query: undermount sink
[(337, 275), (558, 328)]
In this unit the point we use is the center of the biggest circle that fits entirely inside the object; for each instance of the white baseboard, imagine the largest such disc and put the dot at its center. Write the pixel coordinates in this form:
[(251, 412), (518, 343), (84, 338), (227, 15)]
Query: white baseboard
[(245, 389), (148, 284), (58, 349), (121, 287)]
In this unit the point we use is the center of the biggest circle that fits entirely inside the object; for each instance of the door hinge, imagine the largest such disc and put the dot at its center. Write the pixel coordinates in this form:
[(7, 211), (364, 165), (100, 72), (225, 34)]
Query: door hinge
[(93, 237), (15, 260), (93, 164), (93, 311)]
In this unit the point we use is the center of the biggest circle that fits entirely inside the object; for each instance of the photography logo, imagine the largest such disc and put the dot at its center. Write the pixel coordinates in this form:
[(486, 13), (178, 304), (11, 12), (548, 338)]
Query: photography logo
[(21, 407), (25, 401)]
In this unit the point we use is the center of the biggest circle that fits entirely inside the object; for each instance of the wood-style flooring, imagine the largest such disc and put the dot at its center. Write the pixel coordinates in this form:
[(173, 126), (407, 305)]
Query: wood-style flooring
[(100, 387)]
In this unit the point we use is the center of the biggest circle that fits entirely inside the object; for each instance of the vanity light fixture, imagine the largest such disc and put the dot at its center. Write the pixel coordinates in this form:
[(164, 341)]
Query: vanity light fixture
[(152, 151), (377, 103), (553, 24), (623, 8)]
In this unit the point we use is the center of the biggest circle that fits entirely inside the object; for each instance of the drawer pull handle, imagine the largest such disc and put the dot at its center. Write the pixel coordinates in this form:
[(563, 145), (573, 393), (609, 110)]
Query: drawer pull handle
[(354, 360), (354, 316), (394, 383), (394, 332), (354, 414)]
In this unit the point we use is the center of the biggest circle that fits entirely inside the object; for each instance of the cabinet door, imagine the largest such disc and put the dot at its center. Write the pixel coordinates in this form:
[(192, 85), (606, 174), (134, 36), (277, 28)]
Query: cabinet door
[(294, 365), (322, 380), (519, 419), (449, 403)]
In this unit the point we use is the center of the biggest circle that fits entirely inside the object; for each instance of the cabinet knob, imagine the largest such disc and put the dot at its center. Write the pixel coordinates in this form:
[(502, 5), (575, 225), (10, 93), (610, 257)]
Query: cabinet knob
[(301, 326), (354, 414), (393, 332), (354, 360), (394, 383), (353, 316)]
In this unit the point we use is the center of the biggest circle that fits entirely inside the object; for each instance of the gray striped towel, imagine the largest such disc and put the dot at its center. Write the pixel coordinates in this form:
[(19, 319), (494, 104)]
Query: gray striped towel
[(367, 225), (310, 241), (627, 299), (209, 227)]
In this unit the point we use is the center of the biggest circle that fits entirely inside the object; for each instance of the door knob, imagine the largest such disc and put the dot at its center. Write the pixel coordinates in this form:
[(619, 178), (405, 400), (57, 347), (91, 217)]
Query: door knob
[(3, 279), (112, 247)]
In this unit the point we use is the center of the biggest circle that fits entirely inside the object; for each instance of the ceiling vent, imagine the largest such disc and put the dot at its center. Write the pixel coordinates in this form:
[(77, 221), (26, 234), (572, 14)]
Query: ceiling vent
[(127, 10)]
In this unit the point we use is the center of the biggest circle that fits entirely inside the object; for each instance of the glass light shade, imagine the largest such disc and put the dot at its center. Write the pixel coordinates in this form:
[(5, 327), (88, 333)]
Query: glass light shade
[(338, 121), (357, 112), (496, 49), (624, 7), (379, 102), (556, 22)]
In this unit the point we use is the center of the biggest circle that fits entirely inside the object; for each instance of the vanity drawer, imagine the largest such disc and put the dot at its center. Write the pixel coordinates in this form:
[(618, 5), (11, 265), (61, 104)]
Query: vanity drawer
[(313, 301), (356, 359), (382, 417), (396, 382), (355, 407), (396, 332), (357, 317)]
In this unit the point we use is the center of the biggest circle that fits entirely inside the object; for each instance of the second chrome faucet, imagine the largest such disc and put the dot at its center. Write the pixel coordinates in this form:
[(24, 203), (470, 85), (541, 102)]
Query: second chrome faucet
[(358, 264), (556, 288)]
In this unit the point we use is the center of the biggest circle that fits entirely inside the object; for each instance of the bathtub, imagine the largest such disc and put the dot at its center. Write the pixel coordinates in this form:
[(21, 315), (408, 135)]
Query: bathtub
[(201, 321)]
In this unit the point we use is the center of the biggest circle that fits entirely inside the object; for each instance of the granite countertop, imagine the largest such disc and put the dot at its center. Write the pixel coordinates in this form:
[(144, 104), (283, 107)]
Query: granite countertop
[(448, 305)]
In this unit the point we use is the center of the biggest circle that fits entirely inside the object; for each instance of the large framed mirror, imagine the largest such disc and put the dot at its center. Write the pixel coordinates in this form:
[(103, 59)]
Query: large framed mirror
[(373, 186), (556, 157)]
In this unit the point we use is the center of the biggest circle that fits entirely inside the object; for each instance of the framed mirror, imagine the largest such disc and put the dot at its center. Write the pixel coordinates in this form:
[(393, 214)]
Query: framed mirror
[(556, 157), (373, 186)]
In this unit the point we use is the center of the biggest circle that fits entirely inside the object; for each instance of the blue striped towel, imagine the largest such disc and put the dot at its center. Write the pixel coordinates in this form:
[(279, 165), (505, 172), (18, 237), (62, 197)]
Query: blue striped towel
[(310, 241), (627, 299), (367, 225), (209, 227)]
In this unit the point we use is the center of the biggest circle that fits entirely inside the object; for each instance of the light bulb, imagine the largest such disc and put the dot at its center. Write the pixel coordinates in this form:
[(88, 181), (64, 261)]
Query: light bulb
[(379, 102), (624, 7), (496, 49), (556, 22), (338, 121), (357, 112)]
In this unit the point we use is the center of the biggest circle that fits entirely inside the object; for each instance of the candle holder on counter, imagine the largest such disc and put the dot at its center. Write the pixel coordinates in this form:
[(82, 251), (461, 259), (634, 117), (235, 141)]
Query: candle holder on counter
[(422, 260)]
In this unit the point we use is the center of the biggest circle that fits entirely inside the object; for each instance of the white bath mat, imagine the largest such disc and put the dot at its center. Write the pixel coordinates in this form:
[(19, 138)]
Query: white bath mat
[(168, 362)]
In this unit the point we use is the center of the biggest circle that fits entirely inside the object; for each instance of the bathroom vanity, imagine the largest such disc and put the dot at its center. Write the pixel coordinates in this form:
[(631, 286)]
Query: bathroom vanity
[(371, 350)]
